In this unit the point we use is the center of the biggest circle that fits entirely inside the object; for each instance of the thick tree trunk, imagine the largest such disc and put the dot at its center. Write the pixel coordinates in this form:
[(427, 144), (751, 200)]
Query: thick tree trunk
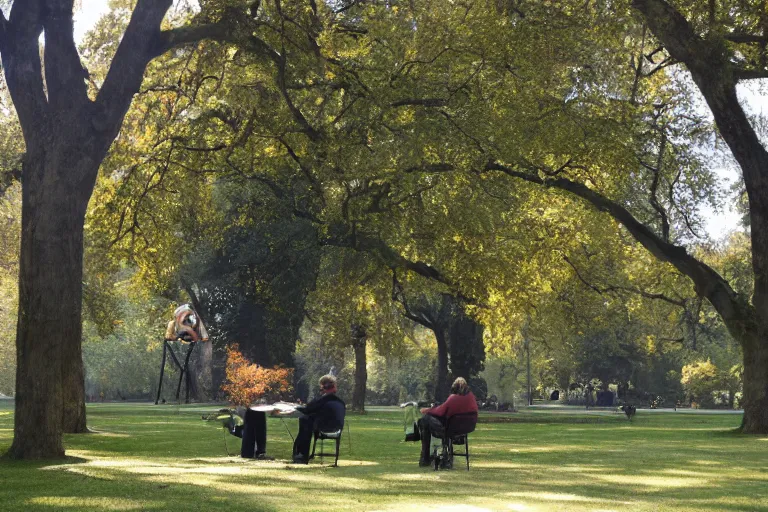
[(73, 386), (359, 343), (442, 387), (755, 420), (465, 343), (50, 391)]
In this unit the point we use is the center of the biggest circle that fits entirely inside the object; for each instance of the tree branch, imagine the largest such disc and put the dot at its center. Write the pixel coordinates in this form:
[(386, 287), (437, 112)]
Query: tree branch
[(20, 50), (65, 77), (741, 37), (394, 260), (616, 288), (710, 63), (708, 282), (127, 69), (750, 74)]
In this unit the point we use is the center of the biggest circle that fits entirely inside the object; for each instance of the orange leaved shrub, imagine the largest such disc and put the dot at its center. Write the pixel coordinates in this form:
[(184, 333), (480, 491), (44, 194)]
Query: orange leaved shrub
[(248, 382)]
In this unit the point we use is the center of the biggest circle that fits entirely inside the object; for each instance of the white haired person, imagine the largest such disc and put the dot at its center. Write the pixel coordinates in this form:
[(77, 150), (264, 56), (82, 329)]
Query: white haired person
[(325, 413)]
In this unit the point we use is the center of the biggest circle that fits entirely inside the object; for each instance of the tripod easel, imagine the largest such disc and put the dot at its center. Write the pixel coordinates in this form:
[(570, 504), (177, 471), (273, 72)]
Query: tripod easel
[(184, 369)]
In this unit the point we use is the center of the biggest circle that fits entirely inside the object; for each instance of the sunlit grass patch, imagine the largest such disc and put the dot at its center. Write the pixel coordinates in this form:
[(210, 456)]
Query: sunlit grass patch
[(92, 503)]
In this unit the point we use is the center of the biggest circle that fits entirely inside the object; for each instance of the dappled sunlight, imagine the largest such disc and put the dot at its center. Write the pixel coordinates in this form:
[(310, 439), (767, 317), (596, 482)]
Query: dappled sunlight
[(565, 497), (350, 462), (705, 462), (550, 449), (659, 482), (686, 472), (98, 474), (581, 469), (208, 474), (420, 507), (245, 489), (95, 503), (433, 476), (109, 434), (679, 429), (519, 507), (500, 465)]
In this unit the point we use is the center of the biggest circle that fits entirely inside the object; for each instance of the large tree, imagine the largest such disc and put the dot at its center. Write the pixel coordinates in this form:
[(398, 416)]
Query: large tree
[(67, 135), (721, 47)]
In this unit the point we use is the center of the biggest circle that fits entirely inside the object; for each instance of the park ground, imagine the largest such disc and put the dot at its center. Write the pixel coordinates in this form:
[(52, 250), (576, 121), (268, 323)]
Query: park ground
[(166, 458)]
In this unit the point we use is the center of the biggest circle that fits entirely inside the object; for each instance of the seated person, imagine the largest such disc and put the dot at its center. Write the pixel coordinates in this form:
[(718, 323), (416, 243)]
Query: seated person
[(461, 400), (325, 413)]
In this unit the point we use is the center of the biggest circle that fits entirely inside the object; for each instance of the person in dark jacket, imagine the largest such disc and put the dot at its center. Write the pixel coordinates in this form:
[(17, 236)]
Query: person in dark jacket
[(325, 413), (460, 401)]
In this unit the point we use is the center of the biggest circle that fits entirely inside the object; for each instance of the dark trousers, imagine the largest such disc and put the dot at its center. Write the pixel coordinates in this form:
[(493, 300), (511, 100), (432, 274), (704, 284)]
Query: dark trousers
[(428, 426), (254, 434), (304, 437)]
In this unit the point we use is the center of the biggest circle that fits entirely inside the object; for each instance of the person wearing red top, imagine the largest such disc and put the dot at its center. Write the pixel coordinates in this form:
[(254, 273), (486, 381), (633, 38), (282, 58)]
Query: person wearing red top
[(461, 400)]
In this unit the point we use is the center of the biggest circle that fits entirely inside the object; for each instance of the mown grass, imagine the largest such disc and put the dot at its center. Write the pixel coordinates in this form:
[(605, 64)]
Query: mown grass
[(147, 457)]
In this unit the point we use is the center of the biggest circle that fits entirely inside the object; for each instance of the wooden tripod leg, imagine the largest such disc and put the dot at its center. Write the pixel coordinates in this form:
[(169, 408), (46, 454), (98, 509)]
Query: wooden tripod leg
[(162, 370)]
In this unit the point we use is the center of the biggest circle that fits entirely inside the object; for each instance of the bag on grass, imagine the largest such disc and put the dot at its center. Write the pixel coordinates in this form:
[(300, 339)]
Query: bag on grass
[(411, 428)]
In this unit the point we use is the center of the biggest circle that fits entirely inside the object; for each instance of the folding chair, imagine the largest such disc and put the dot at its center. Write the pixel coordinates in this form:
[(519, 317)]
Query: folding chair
[(457, 430), (322, 436)]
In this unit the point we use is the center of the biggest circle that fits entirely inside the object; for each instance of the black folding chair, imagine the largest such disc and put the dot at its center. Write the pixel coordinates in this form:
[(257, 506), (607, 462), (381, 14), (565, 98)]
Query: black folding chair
[(457, 430), (322, 436)]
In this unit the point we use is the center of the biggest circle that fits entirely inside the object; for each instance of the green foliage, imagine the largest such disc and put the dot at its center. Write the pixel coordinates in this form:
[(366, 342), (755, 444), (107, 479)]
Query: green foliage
[(124, 362), (334, 127), (701, 380)]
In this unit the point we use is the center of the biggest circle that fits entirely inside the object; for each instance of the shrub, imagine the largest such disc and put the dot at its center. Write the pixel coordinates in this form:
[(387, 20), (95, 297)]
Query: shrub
[(248, 382), (700, 380)]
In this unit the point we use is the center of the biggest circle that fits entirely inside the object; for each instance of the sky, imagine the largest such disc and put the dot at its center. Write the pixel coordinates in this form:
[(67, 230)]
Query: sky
[(90, 11), (718, 224)]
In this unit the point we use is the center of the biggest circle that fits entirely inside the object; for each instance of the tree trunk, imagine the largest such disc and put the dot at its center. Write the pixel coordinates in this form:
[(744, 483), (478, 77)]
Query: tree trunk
[(442, 387), (755, 420), (50, 390), (201, 367), (359, 343), (465, 341), (716, 72)]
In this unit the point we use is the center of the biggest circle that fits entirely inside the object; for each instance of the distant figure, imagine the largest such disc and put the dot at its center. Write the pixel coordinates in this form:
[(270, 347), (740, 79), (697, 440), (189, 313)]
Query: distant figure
[(461, 400), (629, 410), (332, 371), (555, 396), (588, 395)]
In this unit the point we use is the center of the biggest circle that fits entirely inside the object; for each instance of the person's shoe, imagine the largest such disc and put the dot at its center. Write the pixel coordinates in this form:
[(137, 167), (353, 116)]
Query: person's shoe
[(263, 456), (300, 459), (425, 463)]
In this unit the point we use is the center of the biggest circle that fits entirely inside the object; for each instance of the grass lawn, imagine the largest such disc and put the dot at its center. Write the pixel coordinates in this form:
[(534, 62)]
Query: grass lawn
[(147, 457)]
